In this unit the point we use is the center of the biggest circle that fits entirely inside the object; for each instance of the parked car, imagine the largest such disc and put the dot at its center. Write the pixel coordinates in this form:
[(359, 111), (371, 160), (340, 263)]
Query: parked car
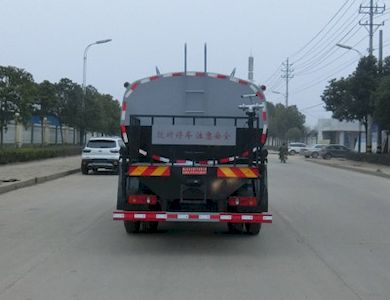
[(101, 153), (313, 151), (334, 151), (294, 148)]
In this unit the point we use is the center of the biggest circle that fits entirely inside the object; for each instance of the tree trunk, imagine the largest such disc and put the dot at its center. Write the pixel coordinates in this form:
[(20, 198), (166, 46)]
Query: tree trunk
[(61, 133), (1, 135), (42, 131)]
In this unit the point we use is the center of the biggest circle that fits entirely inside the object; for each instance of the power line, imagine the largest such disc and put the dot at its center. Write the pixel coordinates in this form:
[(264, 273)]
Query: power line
[(310, 85), (312, 106), (321, 30), (318, 44), (328, 51), (318, 34), (323, 59)]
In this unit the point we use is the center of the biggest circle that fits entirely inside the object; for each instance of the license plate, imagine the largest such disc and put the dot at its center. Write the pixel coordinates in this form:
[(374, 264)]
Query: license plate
[(194, 170)]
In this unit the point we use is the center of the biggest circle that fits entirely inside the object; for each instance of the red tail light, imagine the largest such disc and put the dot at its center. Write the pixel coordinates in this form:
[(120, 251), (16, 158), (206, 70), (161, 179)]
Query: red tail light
[(242, 201), (142, 199)]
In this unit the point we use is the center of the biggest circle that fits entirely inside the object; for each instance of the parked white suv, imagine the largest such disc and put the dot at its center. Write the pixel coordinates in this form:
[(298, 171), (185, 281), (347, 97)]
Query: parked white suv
[(294, 148), (101, 153)]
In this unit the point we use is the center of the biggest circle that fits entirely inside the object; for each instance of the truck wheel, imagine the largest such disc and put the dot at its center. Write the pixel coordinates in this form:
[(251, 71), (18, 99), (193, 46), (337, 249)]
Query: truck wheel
[(121, 191), (253, 228), (131, 226), (150, 226), (84, 170), (235, 227)]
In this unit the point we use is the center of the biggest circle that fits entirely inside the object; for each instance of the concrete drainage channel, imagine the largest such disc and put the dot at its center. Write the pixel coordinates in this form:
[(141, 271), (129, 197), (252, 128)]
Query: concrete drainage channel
[(14, 183)]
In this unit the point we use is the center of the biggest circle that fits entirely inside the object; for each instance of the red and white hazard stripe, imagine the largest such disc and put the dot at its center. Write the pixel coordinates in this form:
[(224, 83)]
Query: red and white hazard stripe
[(192, 217)]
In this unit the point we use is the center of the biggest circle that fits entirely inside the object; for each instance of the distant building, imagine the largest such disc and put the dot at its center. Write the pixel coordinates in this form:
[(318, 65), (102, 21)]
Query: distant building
[(332, 131)]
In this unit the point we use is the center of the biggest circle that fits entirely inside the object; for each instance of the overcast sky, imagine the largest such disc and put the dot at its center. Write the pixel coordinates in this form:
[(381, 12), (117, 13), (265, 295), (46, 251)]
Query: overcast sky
[(48, 38)]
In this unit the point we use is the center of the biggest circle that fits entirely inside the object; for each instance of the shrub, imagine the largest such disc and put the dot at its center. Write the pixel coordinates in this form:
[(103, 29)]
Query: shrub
[(11, 155), (382, 159)]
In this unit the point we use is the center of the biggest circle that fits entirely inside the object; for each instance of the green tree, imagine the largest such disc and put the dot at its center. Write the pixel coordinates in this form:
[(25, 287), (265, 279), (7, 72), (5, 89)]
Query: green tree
[(382, 103), (68, 108), (16, 94), (294, 134), (351, 98), (282, 119), (45, 101)]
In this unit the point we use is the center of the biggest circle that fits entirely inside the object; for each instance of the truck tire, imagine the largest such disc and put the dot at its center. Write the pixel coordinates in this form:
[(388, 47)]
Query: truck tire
[(235, 227), (264, 200), (131, 226), (121, 192), (253, 228)]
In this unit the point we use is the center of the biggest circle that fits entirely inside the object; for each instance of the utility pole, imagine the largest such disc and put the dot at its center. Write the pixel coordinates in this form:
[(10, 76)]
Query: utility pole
[(380, 69), (287, 70), (250, 67), (370, 10)]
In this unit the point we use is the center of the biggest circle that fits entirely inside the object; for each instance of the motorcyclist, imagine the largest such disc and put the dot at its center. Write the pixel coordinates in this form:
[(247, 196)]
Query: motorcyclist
[(283, 151)]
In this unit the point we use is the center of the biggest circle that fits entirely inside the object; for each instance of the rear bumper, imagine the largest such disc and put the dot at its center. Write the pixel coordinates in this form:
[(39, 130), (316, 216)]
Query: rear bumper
[(161, 216), (100, 163)]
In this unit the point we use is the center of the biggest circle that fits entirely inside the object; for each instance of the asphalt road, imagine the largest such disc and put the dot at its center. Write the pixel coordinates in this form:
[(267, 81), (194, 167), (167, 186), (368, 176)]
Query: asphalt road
[(330, 240)]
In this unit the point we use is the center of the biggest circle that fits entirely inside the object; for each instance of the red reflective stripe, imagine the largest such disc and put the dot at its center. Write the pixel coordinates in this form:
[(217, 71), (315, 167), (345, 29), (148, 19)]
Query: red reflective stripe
[(123, 128), (193, 217), (171, 216), (200, 74), (245, 154), (155, 157), (153, 78), (180, 161), (167, 172), (220, 76), (260, 95), (203, 162), (176, 74), (263, 138), (244, 82), (124, 106), (224, 160), (134, 86), (149, 171), (238, 173), (264, 115)]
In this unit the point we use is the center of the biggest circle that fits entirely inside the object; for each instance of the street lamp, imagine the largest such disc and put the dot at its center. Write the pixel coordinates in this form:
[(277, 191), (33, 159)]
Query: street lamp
[(360, 123), (350, 48), (84, 81), (280, 93)]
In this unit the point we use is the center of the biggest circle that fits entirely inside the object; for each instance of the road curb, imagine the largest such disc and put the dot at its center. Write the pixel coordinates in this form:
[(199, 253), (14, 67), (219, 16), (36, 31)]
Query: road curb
[(36, 180), (368, 172)]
